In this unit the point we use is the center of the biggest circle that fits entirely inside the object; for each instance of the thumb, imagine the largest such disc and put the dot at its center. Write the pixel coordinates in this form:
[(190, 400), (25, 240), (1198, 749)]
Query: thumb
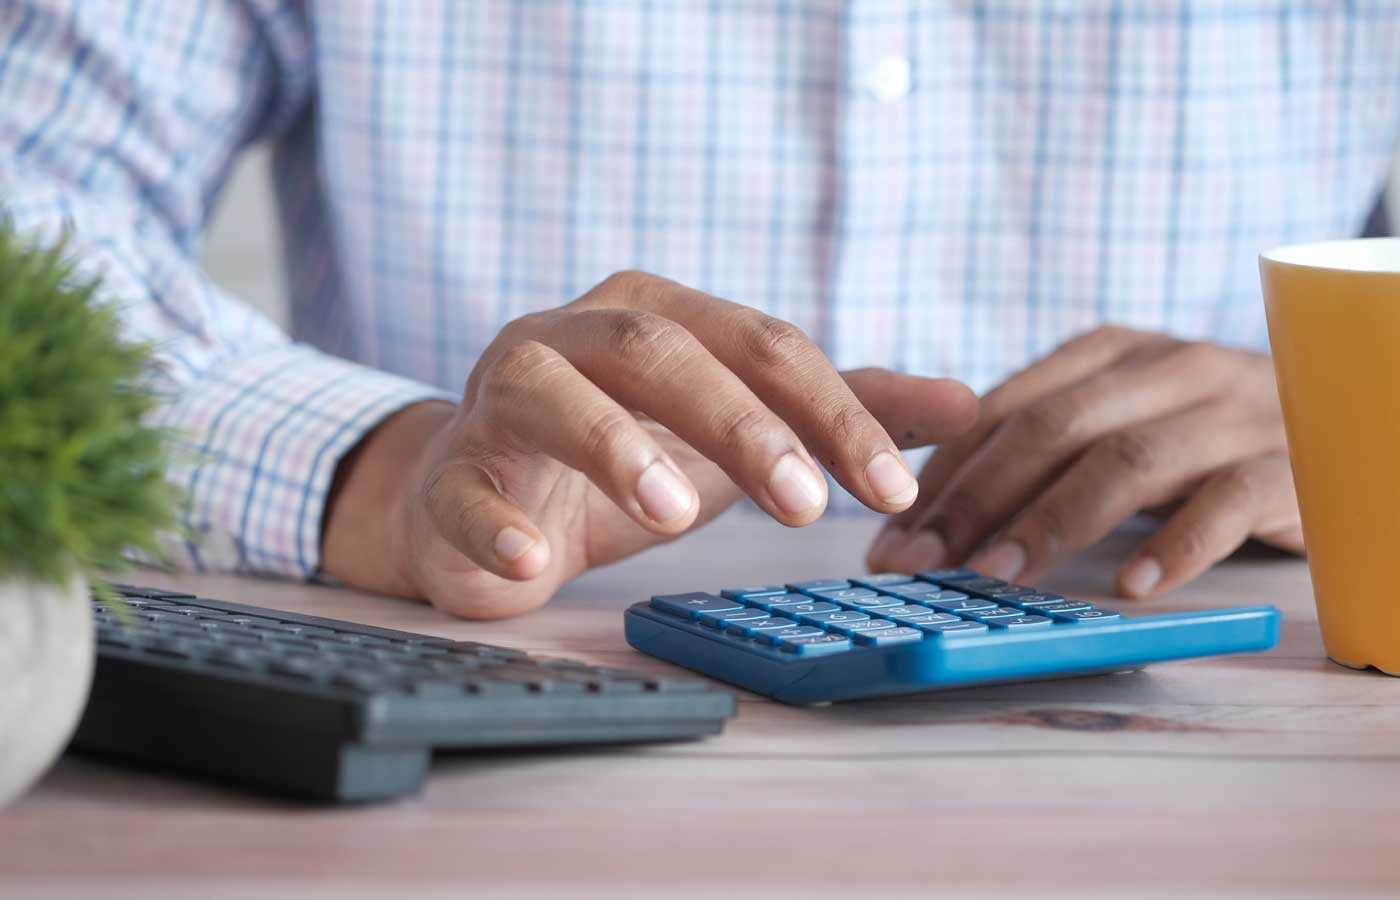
[(914, 410)]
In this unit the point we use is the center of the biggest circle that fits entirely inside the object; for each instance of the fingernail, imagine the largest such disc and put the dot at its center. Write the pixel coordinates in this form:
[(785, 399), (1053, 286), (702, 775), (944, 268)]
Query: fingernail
[(1003, 560), (662, 494), (925, 550), (887, 545), (512, 543), (795, 487), (1140, 576), (891, 479)]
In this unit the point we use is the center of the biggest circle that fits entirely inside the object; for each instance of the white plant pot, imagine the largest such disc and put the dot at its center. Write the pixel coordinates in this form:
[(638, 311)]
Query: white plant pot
[(46, 658)]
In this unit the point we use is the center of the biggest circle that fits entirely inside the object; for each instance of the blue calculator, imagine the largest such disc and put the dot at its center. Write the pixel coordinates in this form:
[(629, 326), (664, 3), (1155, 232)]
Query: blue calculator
[(879, 635)]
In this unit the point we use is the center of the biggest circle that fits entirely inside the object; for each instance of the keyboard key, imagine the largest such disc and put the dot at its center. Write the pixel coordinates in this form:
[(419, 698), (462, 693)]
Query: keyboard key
[(883, 637), (938, 576), (753, 590), (962, 604), (883, 580), (841, 615), (770, 601), (954, 629), (689, 606), (1088, 616), (1021, 623), (801, 631), (725, 616), (854, 627), (991, 615), (814, 645), (1044, 609), (819, 584)]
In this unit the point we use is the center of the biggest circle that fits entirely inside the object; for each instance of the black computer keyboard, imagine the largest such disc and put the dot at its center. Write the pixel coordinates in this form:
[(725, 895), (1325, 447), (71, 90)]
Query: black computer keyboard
[(334, 711)]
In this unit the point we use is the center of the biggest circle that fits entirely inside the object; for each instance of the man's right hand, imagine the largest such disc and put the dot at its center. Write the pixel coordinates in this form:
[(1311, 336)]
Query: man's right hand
[(623, 419)]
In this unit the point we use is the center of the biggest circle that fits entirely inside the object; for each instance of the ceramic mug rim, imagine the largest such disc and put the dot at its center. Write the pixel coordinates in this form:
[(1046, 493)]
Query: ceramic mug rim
[(1361, 256)]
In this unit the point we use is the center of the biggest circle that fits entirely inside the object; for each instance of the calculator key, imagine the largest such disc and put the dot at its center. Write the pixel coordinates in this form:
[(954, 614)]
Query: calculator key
[(900, 613), (1088, 615), (963, 604), (845, 593), (980, 585), (1035, 601), (770, 601), (807, 605), (882, 637), (865, 625), (938, 576), (724, 617), (753, 590), (861, 598), (1021, 623), (819, 584), (991, 615), (817, 614), (841, 615), (1063, 606), (818, 645), (801, 631), (757, 627), (933, 618), (690, 606), (914, 592), (883, 580), (954, 629)]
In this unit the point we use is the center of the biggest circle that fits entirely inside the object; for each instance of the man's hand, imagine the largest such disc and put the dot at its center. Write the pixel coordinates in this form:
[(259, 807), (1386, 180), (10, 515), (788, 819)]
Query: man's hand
[(1110, 424), (589, 432)]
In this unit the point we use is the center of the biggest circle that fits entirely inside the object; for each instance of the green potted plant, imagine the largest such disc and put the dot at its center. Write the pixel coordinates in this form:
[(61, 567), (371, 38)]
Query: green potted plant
[(81, 484)]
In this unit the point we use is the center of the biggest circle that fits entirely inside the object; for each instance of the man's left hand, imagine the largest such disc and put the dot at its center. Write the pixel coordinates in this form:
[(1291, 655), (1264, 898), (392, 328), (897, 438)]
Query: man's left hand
[(1112, 423)]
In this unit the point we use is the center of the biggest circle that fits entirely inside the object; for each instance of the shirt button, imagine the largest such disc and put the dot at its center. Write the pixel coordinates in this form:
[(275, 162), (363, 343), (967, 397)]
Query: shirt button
[(889, 80)]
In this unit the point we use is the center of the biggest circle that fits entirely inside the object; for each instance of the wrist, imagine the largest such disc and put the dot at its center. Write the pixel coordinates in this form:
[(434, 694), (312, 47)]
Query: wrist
[(365, 529)]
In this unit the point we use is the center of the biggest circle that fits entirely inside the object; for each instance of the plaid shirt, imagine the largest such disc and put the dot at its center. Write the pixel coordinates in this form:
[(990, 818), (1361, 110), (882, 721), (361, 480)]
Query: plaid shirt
[(946, 187)]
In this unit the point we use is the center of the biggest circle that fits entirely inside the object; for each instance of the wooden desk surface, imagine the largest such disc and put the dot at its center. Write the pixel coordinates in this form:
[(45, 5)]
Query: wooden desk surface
[(1269, 773)]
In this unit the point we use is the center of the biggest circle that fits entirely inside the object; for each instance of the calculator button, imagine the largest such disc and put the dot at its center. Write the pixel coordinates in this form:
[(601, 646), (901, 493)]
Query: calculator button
[(1020, 623), (938, 576), (1089, 615), (806, 606), (981, 585), (991, 615), (760, 627), (770, 601), (690, 606), (818, 645), (819, 584), (842, 615), (863, 625), (933, 618), (724, 617), (1062, 606), (954, 629), (964, 604), (1035, 601), (914, 591), (900, 613), (801, 631), (860, 598), (884, 579), (753, 590), (882, 637)]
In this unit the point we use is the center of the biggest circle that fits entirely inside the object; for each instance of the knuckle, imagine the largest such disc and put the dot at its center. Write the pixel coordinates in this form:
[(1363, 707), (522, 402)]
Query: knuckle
[(631, 286), (1048, 526), (1129, 451), (1240, 485), (1201, 358), (849, 426), (1192, 541), (512, 372), (642, 336), (1043, 424), (744, 428), (769, 341), (607, 436)]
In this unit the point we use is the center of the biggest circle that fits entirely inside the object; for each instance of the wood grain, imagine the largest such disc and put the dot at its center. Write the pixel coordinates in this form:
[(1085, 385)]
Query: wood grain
[(1271, 773)]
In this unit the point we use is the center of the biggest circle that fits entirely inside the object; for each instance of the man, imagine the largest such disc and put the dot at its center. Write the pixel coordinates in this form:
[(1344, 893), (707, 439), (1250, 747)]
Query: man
[(1060, 202)]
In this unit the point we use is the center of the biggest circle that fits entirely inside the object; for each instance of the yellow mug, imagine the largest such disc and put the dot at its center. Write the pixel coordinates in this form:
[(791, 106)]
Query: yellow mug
[(1334, 326)]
